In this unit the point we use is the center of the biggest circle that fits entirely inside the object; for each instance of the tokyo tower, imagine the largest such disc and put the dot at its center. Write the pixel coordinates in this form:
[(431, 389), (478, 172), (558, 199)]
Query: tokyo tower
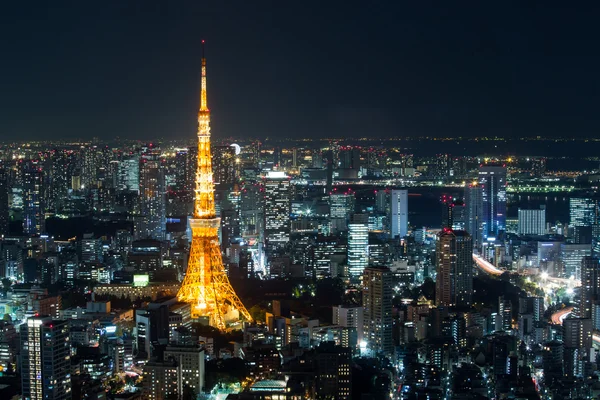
[(206, 286)]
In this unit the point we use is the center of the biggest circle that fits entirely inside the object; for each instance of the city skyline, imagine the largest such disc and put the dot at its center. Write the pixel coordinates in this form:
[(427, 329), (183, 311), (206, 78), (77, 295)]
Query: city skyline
[(411, 69), (400, 202)]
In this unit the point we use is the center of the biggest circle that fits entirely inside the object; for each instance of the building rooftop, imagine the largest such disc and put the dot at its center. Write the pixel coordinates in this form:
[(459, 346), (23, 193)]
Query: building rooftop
[(269, 385)]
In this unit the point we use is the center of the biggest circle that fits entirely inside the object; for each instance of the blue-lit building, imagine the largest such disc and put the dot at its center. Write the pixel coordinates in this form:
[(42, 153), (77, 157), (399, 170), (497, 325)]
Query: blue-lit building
[(32, 181), (583, 213), (399, 213), (474, 210), (492, 179)]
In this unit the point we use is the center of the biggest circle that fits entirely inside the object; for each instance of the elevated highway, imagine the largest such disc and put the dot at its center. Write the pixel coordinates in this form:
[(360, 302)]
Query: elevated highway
[(559, 316), (490, 269)]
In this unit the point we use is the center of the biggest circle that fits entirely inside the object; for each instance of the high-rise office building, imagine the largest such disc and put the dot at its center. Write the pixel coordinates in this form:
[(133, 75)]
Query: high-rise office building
[(590, 286), (577, 343), (454, 282), (160, 380), (152, 328), (571, 256), (349, 316), (441, 168), (492, 179), (533, 305), (277, 207), (224, 164), (152, 221), (583, 211), (190, 366), (333, 372), (185, 163), (453, 213), (251, 209), (377, 307), (532, 222), (4, 193), (399, 213), (341, 205), (91, 249), (349, 157), (504, 319), (88, 165), (358, 249), (32, 181), (45, 359), (474, 210), (129, 173), (62, 165)]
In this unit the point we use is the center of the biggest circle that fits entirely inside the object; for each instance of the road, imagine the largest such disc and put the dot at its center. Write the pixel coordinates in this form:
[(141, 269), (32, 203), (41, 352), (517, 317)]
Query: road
[(558, 317), (564, 281), (486, 266), (489, 268)]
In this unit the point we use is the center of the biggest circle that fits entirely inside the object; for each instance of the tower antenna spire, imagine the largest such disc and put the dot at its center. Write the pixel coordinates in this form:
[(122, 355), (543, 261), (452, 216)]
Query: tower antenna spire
[(203, 103)]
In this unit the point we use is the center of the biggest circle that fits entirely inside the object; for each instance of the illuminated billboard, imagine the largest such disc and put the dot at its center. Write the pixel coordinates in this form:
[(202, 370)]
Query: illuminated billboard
[(141, 280)]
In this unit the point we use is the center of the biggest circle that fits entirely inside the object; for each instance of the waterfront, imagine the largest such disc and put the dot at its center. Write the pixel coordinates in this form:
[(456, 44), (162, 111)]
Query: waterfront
[(425, 208)]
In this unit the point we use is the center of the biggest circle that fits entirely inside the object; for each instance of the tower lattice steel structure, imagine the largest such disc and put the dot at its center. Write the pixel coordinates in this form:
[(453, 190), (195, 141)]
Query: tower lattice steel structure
[(206, 286)]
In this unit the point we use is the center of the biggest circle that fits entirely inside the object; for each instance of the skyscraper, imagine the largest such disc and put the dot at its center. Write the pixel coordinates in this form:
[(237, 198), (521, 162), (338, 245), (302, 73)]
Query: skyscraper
[(349, 165), (571, 256), (454, 282), (32, 181), (583, 213), (45, 355), (358, 249), (90, 160), (4, 190), (453, 213), (532, 222), (129, 174), (590, 286), (224, 165), (399, 211), (341, 205), (160, 380), (62, 165), (190, 366), (152, 222), (474, 205), (277, 206), (492, 179), (577, 342), (333, 372), (377, 306)]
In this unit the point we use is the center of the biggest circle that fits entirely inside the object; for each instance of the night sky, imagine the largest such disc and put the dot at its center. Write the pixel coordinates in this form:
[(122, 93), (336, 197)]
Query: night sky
[(130, 68)]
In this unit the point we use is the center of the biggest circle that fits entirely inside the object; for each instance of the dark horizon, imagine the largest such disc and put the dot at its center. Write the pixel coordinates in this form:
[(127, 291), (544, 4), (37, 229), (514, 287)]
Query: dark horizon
[(302, 70)]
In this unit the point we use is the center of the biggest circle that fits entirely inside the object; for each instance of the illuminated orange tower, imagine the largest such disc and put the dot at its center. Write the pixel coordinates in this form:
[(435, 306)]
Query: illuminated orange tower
[(206, 286)]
